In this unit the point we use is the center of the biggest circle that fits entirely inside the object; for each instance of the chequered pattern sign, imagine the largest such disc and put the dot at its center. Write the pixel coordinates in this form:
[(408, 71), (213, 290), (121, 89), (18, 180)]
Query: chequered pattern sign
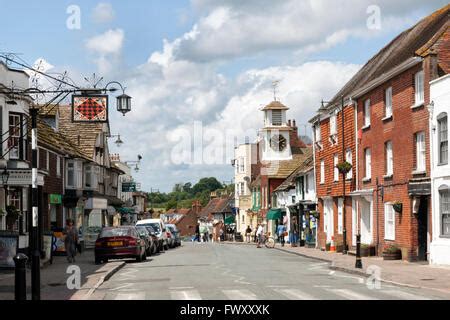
[(90, 108)]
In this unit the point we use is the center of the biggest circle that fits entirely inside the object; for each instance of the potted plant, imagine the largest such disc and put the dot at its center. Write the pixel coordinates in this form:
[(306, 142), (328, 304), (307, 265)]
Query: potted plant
[(315, 214), (391, 252), (398, 206), (344, 167), (327, 246)]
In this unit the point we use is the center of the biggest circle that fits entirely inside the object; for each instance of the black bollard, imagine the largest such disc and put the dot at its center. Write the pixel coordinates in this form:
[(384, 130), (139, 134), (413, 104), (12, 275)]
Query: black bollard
[(358, 263), (20, 285)]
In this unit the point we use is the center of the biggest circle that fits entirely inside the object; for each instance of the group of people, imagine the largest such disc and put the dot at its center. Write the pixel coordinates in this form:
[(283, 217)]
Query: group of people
[(281, 232)]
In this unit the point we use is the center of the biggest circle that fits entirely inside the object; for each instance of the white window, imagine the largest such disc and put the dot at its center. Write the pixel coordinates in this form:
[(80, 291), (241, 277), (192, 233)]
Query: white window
[(88, 176), (333, 128), (277, 117), (237, 165), (317, 133), (388, 102), (336, 170), (443, 139), (367, 113), (242, 165), (444, 204), (389, 159), (47, 164), (340, 215), (71, 174), (322, 171), (58, 166), (389, 222), (242, 192), (368, 163), (348, 158), (420, 151), (15, 130), (419, 88)]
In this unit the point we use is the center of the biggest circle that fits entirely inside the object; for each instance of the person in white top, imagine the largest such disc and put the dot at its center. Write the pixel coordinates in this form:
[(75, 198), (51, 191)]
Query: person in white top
[(259, 235)]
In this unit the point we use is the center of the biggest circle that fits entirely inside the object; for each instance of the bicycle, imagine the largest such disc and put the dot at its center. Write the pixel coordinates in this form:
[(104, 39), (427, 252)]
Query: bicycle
[(269, 241)]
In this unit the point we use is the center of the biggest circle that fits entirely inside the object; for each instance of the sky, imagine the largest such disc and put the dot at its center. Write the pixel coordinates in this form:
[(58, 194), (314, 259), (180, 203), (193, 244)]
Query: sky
[(199, 71)]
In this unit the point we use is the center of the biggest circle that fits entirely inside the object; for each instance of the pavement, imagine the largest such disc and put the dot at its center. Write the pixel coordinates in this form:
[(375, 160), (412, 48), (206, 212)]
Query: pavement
[(219, 271), (399, 272), (55, 276)]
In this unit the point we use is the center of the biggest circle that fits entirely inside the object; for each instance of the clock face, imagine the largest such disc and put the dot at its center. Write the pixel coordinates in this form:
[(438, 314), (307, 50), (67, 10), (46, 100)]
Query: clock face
[(278, 142)]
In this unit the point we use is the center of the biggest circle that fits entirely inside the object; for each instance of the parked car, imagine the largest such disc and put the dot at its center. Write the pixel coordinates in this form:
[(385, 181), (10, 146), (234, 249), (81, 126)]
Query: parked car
[(143, 232), (155, 246), (118, 243), (170, 238), (160, 230), (175, 234)]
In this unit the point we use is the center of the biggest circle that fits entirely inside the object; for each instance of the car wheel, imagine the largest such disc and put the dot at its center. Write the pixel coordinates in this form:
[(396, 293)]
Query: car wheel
[(144, 257), (98, 260), (166, 247)]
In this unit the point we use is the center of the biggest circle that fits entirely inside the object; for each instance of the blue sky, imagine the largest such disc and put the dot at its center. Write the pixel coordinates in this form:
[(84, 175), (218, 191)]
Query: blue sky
[(205, 61)]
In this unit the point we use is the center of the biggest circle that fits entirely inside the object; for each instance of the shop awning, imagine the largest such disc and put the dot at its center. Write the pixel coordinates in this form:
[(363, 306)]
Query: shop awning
[(274, 214), (126, 210), (229, 220)]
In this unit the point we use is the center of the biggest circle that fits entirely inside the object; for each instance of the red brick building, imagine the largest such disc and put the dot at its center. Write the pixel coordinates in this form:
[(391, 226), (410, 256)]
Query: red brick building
[(389, 98), (185, 219)]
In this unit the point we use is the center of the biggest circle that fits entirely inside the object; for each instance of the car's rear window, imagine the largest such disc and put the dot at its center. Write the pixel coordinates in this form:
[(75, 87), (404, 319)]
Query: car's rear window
[(154, 225), (116, 232)]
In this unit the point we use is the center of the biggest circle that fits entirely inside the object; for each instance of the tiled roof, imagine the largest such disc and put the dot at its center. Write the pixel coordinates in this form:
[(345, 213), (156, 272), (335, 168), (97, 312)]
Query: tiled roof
[(56, 140), (406, 45), (48, 110), (275, 105), (216, 205), (182, 211), (282, 169), (84, 135), (305, 166)]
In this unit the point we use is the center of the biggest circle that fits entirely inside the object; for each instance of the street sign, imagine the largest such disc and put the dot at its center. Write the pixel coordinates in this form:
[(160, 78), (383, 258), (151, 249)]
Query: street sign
[(55, 198), (90, 108), (129, 187)]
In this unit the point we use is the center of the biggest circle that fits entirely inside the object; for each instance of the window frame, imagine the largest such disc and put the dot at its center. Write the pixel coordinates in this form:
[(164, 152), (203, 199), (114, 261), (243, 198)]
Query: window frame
[(322, 171), (367, 115), (280, 117), (349, 159), (388, 104), (389, 222), (389, 158), (442, 191), (440, 132), (367, 164), (419, 88), (421, 152), (336, 170), (13, 134)]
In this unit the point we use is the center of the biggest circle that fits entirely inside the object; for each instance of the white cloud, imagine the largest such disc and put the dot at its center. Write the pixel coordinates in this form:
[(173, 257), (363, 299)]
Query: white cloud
[(103, 13), (230, 29), (107, 48)]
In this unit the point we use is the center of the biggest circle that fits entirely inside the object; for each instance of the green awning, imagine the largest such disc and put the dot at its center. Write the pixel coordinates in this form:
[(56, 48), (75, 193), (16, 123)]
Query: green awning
[(274, 214), (126, 210), (229, 220)]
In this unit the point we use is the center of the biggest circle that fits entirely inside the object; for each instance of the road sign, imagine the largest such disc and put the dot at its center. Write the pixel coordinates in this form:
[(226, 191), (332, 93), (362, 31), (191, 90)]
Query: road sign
[(129, 187)]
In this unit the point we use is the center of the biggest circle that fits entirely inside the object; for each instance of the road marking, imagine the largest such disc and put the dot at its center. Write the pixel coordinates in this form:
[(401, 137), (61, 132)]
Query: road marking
[(295, 294), (239, 294), (180, 288), (185, 295), (405, 295), (350, 295), (121, 287), (130, 296)]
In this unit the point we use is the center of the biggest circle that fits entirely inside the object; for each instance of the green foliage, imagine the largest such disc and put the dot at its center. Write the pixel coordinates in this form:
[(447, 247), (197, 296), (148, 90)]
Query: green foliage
[(183, 194)]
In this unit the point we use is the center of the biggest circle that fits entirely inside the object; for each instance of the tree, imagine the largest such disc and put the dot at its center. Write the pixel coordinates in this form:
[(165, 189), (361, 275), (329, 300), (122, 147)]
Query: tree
[(209, 184)]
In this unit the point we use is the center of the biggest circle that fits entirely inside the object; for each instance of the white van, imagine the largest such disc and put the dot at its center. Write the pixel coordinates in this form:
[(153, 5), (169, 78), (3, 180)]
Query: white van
[(160, 229)]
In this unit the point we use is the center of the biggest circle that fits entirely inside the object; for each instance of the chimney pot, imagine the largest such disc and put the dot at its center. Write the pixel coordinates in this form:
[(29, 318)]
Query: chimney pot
[(289, 122), (293, 122)]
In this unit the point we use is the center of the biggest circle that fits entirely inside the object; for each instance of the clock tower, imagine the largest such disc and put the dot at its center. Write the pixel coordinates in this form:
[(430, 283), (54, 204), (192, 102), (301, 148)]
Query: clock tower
[(275, 134)]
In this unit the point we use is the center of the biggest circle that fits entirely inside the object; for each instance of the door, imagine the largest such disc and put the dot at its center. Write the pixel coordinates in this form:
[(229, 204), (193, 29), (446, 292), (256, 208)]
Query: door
[(328, 219), (366, 222), (354, 221), (422, 236)]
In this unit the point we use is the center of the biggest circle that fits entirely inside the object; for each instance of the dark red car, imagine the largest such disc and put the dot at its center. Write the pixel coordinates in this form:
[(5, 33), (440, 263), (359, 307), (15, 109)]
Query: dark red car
[(118, 243)]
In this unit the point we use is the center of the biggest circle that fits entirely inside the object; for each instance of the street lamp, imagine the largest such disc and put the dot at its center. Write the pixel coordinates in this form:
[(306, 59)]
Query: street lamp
[(5, 177), (119, 141), (123, 102)]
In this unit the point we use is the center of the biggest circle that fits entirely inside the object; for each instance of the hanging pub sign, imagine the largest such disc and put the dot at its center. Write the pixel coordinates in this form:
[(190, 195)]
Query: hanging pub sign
[(128, 187), (90, 108)]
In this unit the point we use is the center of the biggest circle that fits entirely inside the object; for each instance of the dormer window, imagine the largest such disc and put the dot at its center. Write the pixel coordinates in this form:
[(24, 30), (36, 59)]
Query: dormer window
[(277, 117)]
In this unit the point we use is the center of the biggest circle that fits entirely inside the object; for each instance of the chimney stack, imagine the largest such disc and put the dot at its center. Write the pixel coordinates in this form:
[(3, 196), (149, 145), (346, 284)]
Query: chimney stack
[(289, 122)]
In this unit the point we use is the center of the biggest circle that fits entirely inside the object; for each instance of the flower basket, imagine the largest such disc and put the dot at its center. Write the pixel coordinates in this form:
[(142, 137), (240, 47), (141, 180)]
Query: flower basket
[(315, 214), (397, 206), (392, 252), (344, 167)]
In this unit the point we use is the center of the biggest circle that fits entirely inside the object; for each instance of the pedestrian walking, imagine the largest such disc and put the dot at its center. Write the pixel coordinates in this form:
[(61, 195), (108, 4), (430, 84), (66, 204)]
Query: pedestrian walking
[(197, 233), (248, 232), (259, 235), (294, 232), (71, 240), (281, 229)]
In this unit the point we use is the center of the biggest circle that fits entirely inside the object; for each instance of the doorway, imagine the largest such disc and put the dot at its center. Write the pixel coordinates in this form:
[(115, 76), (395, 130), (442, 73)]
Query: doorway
[(422, 232), (366, 221)]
